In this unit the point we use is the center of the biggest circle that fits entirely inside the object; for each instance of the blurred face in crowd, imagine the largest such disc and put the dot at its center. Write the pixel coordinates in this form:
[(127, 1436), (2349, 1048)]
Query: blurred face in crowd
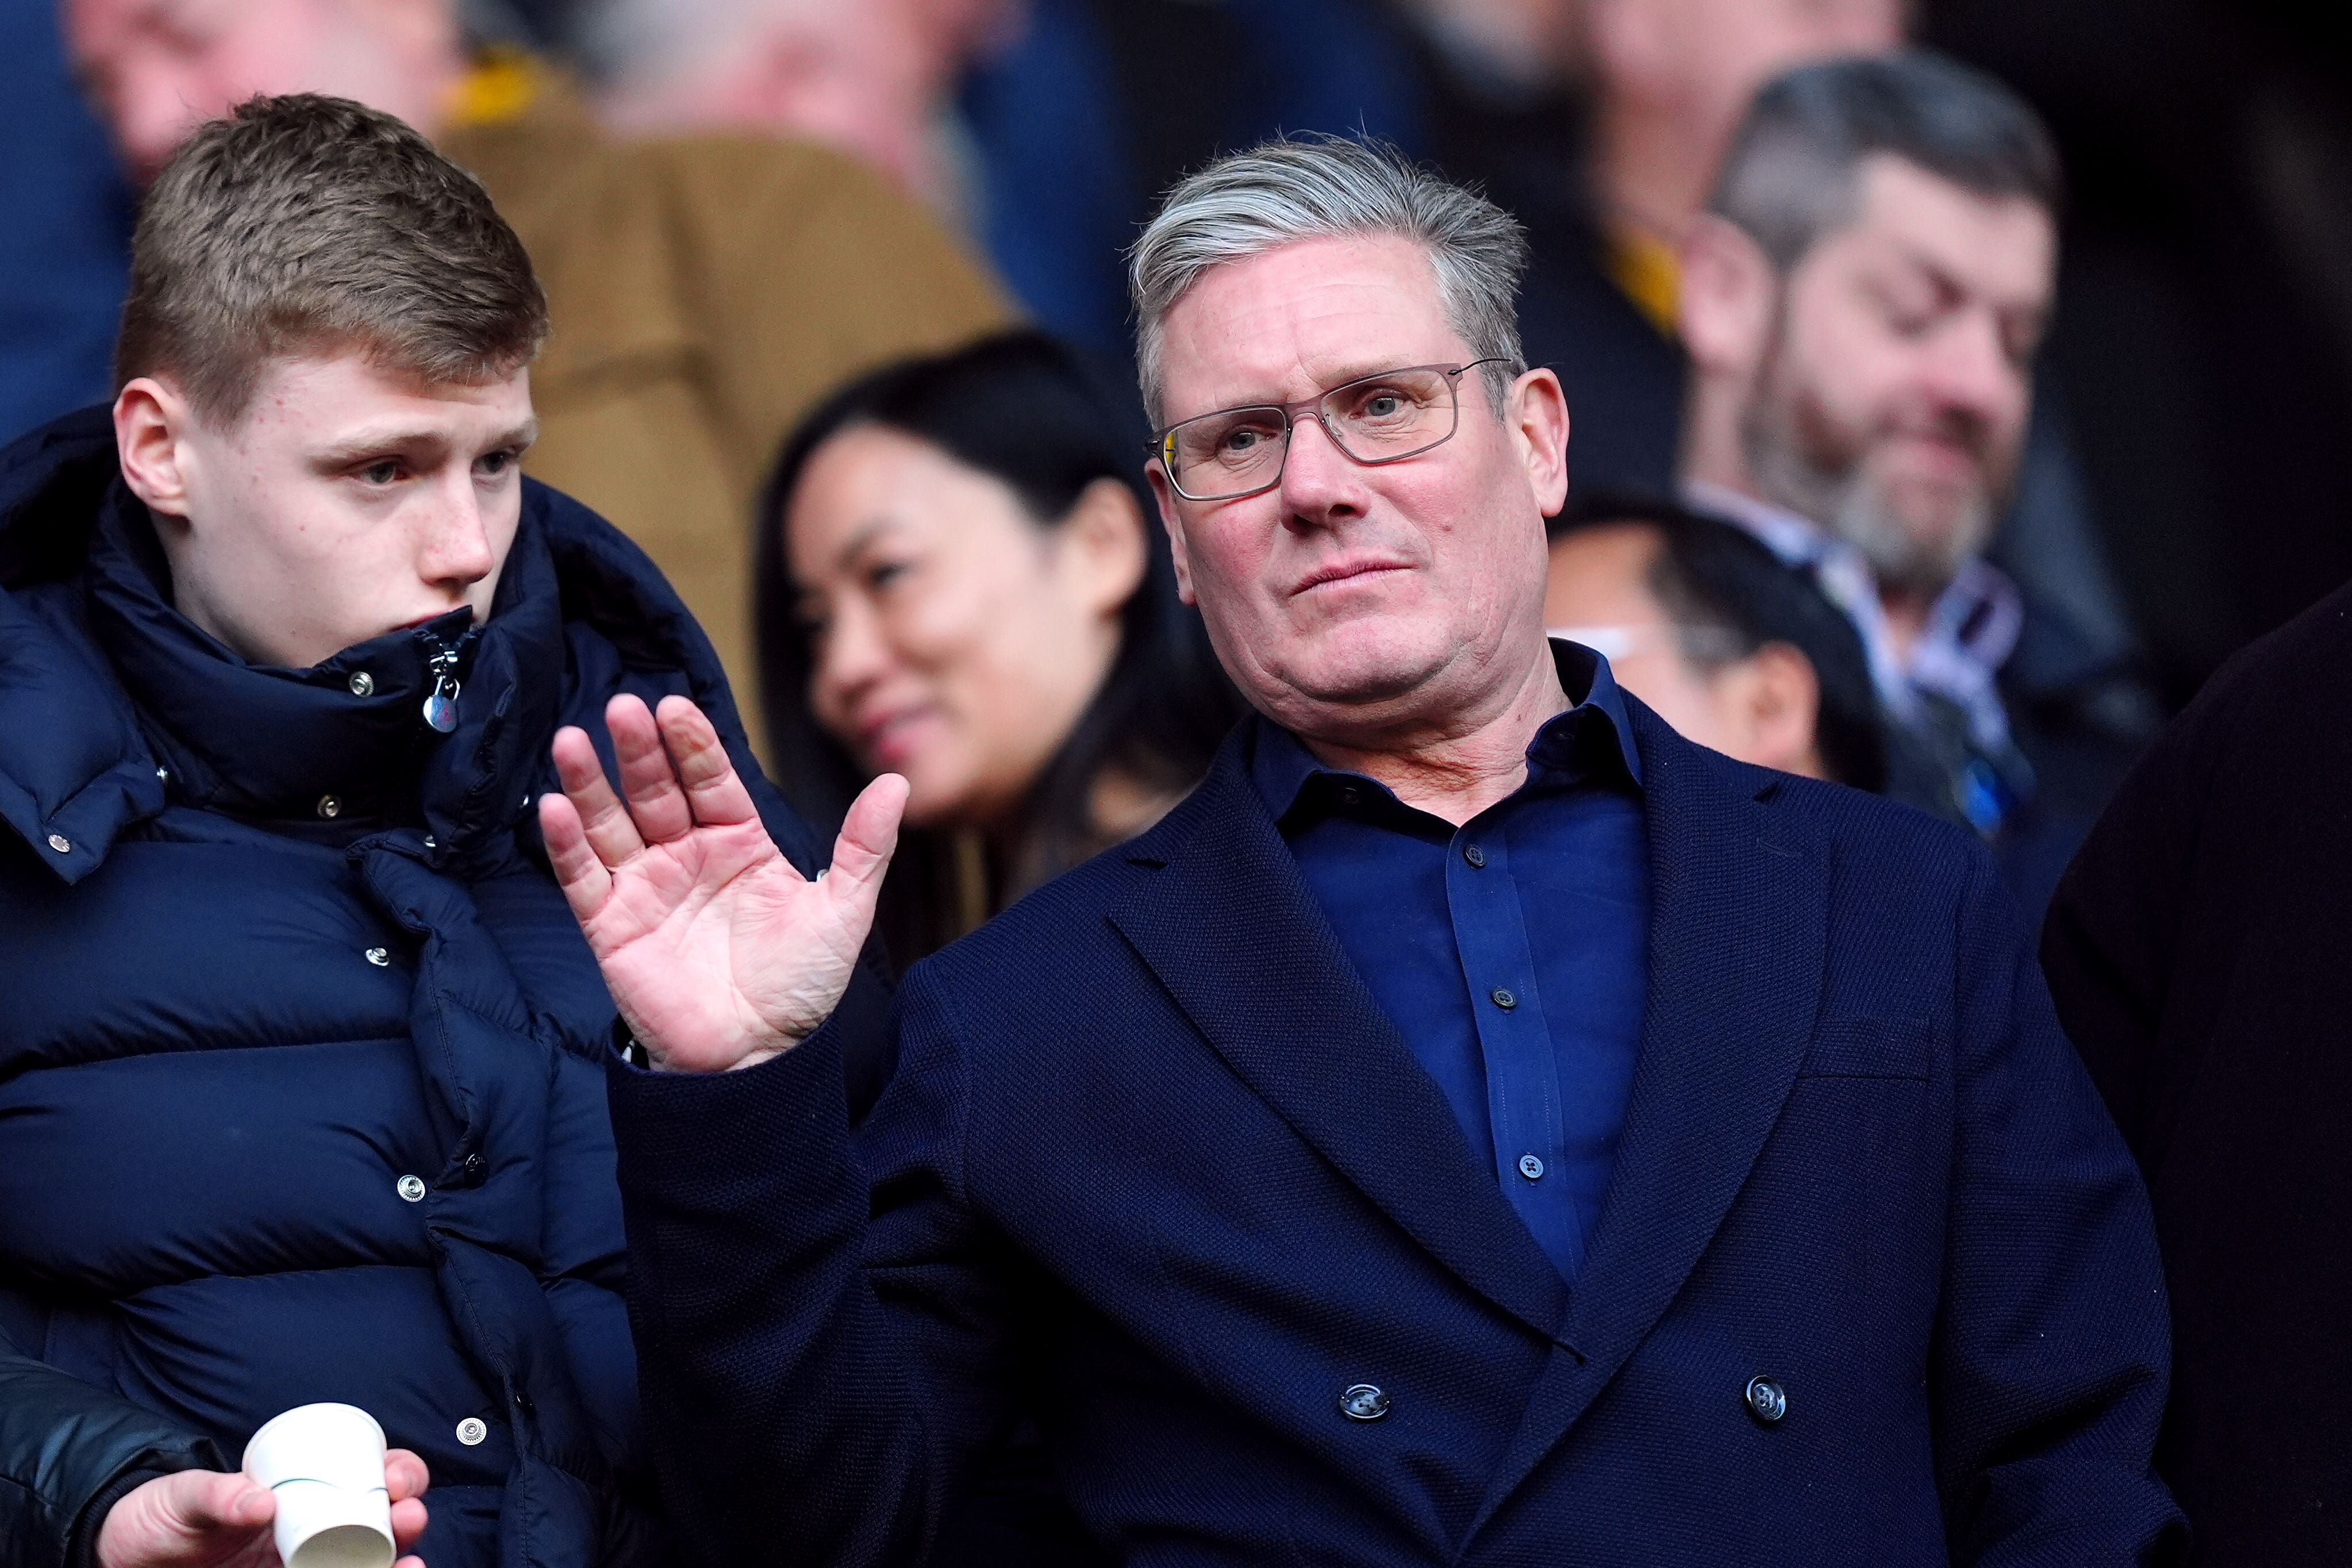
[(1759, 707), (955, 638), (346, 501), (866, 79), (1702, 60), (1889, 372), (155, 69), (1354, 604)]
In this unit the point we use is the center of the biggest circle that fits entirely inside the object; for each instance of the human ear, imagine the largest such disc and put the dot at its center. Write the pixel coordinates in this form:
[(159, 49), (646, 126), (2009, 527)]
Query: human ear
[(1102, 540), (1781, 698), (150, 427), (1726, 298), (1164, 494), (1538, 420)]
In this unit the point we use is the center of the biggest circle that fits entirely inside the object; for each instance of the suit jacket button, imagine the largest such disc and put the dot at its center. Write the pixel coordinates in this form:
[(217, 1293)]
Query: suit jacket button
[(1362, 1402), (1765, 1400)]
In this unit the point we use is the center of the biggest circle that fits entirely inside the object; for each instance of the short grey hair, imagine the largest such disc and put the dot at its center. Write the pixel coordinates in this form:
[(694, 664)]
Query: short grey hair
[(1321, 187), (1793, 173)]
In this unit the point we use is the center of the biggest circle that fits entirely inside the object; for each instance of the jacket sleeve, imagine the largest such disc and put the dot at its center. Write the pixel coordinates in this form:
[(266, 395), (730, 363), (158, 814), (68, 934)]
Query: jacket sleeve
[(2052, 1353), (820, 1327), (69, 1451)]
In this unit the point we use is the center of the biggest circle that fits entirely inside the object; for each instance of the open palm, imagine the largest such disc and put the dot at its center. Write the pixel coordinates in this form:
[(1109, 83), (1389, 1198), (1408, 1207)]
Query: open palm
[(718, 954)]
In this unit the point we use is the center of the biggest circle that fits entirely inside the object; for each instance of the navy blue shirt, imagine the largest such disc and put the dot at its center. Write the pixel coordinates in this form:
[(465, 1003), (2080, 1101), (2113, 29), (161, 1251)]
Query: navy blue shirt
[(1512, 954)]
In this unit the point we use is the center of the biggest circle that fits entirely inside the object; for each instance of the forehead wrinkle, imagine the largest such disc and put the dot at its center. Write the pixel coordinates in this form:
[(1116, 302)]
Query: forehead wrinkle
[(1301, 362)]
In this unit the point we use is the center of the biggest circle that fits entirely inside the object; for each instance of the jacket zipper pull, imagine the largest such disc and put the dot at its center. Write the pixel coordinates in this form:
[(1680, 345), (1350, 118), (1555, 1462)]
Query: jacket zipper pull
[(441, 702)]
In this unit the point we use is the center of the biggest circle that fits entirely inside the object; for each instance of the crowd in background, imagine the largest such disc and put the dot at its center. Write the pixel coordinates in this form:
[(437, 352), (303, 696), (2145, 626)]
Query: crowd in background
[(842, 336), (737, 206)]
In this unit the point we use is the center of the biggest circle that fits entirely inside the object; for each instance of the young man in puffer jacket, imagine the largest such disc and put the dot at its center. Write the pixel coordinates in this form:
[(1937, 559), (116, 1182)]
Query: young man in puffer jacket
[(299, 1093)]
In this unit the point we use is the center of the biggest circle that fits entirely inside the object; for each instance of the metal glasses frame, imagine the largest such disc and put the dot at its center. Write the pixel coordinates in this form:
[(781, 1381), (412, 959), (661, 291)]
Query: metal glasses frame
[(1162, 446)]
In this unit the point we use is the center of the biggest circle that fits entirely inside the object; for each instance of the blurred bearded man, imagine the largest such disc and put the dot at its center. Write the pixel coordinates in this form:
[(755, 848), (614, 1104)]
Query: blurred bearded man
[(1861, 304)]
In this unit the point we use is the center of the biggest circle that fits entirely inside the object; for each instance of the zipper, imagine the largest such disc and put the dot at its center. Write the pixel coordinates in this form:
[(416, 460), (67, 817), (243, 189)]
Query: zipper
[(441, 701)]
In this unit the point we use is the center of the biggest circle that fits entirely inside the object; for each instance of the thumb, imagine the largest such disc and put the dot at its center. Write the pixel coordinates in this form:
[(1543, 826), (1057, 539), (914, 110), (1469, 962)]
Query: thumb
[(869, 836), (208, 1503), (205, 1505)]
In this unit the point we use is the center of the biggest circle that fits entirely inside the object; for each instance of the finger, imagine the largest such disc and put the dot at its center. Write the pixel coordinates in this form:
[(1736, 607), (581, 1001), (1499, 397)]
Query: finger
[(408, 1522), (603, 817), (718, 791), (585, 882), (210, 1503), (647, 779), (861, 855), (405, 1475), (410, 1563)]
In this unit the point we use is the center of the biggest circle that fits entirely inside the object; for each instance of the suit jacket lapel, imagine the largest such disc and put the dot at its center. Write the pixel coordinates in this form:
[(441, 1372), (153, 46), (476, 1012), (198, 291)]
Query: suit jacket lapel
[(1231, 929), (1738, 943)]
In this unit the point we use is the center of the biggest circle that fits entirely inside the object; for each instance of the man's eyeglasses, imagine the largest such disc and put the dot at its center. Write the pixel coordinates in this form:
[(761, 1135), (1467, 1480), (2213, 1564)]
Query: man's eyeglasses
[(1373, 419)]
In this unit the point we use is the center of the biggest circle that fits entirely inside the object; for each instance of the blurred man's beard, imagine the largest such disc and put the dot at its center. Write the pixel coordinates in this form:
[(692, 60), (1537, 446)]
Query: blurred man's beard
[(1804, 461)]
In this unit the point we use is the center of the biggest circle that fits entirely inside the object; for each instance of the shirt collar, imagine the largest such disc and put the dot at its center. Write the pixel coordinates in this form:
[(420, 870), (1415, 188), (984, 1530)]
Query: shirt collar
[(1281, 766), (1972, 628)]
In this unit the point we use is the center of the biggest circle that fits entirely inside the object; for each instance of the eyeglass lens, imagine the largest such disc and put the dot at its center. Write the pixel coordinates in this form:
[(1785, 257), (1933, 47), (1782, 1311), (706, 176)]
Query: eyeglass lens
[(1379, 419)]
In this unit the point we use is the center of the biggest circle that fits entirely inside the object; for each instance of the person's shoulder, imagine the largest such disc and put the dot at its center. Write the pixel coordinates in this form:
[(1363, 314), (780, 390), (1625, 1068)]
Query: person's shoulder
[(2289, 682), (728, 183), (1880, 855)]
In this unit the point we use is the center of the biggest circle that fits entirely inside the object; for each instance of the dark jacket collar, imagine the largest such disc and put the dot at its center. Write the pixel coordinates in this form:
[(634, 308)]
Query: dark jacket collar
[(299, 748), (78, 603)]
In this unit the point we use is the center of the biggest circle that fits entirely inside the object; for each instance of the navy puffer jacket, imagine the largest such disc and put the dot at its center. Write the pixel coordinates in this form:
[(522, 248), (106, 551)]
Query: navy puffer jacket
[(300, 1094)]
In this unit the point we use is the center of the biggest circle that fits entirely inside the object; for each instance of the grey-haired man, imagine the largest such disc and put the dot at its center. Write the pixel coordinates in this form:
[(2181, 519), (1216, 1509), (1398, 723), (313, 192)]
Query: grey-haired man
[(1477, 1126)]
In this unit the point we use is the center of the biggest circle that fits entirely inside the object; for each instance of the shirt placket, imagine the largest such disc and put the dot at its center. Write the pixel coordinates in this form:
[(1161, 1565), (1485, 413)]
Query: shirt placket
[(1523, 1093)]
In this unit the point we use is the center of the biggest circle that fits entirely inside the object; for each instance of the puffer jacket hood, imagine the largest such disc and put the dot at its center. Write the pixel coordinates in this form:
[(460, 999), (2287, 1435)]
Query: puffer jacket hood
[(301, 1094)]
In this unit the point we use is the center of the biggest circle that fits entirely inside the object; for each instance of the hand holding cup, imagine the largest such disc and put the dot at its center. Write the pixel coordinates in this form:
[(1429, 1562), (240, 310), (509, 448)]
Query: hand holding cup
[(208, 1518)]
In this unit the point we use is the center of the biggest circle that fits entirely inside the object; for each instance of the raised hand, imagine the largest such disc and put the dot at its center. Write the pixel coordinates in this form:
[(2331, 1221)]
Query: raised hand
[(206, 1519), (718, 954)]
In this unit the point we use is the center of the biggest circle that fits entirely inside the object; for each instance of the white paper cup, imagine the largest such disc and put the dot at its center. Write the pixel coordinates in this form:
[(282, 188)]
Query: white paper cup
[(325, 1464)]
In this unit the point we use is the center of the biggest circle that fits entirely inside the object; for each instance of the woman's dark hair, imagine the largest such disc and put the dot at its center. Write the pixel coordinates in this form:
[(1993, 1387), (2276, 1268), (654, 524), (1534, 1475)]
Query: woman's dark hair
[(1714, 576), (1023, 410)]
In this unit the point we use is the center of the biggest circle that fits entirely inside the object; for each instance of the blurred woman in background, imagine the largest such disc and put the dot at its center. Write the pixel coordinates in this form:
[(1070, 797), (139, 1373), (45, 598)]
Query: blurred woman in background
[(960, 580)]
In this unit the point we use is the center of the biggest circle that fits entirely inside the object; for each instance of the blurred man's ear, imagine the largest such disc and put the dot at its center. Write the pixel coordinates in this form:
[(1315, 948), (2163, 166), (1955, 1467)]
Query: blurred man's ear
[(1104, 537), (1728, 298), (151, 428), (1165, 494), (1775, 700)]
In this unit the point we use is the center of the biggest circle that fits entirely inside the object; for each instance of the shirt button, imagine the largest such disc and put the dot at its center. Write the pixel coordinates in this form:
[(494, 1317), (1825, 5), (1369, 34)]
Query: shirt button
[(411, 1189), (1362, 1402), (1530, 1167), (475, 1166), (331, 805), (472, 1430), (1476, 856), (60, 843), (380, 957), (1351, 795), (1765, 1400), (1503, 999), (363, 684)]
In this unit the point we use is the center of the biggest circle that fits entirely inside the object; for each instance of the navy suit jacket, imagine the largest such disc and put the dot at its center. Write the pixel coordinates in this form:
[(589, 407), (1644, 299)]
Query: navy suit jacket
[(1155, 1170)]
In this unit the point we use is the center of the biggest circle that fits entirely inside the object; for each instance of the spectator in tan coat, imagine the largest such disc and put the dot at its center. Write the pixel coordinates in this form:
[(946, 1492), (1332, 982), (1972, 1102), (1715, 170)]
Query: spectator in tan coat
[(704, 291)]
